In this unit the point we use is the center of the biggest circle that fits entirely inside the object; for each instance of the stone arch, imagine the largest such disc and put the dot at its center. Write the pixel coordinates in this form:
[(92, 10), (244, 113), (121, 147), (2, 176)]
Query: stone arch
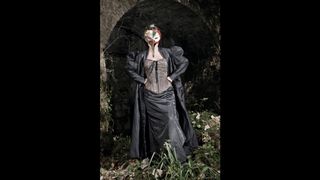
[(180, 24)]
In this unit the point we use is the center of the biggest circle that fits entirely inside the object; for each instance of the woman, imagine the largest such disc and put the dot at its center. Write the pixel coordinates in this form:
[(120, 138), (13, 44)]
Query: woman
[(158, 109)]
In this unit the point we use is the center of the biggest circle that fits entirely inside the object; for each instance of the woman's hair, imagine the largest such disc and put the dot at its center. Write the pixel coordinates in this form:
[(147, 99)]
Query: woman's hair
[(152, 27)]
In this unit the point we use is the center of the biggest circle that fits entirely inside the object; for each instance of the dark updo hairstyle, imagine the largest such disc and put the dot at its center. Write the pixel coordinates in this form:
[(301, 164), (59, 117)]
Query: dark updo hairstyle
[(152, 27)]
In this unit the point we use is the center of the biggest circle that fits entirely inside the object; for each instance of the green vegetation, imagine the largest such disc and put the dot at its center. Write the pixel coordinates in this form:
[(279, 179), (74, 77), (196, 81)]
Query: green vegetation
[(203, 164)]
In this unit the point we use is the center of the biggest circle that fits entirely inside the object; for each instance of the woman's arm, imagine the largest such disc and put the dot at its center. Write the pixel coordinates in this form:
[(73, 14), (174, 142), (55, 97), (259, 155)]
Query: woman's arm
[(132, 67), (180, 61)]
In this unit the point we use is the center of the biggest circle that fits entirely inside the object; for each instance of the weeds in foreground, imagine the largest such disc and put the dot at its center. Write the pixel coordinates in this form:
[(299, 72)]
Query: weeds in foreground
[(203, 164)]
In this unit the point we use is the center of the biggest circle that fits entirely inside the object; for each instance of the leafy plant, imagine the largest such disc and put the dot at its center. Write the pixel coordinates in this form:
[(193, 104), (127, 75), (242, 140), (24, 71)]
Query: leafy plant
[(203, 164)]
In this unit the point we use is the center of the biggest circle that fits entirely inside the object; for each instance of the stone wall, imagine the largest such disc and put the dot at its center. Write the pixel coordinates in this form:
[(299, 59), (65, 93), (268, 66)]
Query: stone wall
[(192, 24)]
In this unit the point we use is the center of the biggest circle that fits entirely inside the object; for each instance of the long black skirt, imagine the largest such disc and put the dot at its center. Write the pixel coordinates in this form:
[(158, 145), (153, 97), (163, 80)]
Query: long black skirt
[(163, 122)]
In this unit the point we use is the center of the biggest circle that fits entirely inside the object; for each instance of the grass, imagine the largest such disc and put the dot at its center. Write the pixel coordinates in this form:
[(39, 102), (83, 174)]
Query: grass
[(203, 164)]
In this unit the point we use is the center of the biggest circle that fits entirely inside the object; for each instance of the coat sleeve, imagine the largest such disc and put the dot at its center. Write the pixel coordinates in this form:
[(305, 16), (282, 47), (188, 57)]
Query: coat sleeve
[(131, 67), (179, 60)]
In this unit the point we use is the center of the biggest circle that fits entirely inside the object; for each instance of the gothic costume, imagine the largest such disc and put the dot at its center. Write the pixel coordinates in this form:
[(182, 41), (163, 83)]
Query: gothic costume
[(157, 108)]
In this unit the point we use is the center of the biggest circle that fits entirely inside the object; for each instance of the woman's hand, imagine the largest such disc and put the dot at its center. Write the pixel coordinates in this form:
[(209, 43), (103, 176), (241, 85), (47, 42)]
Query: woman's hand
[(169, 79), (145, 81)]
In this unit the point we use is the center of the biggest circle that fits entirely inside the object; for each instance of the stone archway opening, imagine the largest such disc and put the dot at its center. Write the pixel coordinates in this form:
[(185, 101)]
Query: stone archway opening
[(179, 26)]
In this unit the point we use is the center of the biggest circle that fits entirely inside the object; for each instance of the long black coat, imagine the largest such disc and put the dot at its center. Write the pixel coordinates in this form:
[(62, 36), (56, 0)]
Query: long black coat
[(177, 64)]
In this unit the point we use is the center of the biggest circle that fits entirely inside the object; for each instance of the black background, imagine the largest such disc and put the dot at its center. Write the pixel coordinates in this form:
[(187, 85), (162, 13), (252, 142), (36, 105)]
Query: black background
[(51, 90)]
